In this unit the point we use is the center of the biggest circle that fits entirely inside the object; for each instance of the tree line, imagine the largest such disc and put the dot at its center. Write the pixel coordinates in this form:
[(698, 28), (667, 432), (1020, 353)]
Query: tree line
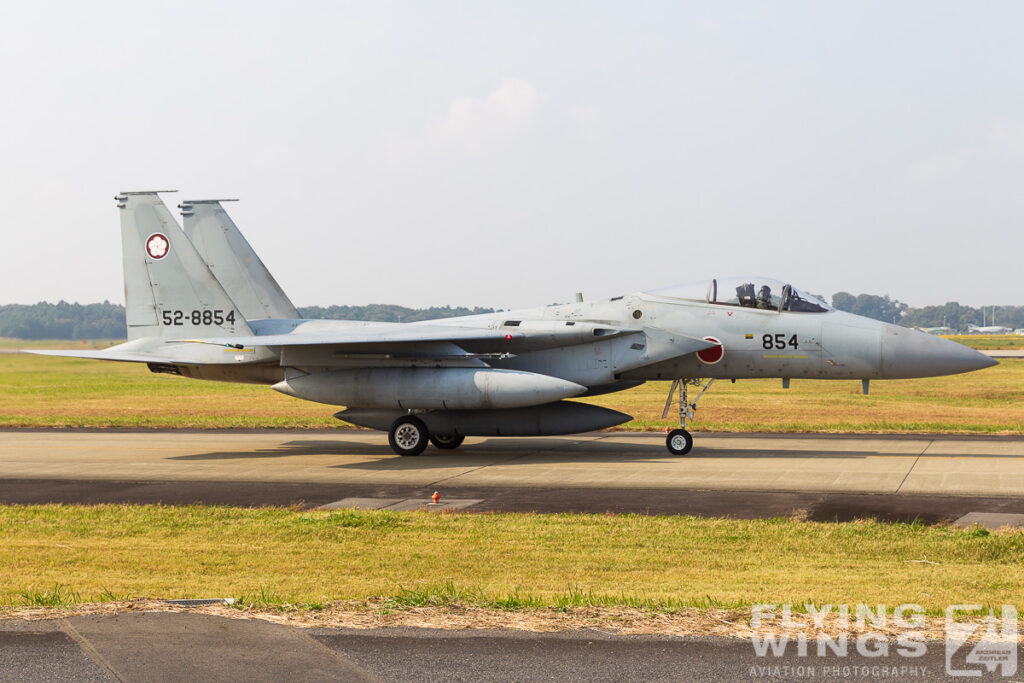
[(953, 315), (388, 313), (64, 320)]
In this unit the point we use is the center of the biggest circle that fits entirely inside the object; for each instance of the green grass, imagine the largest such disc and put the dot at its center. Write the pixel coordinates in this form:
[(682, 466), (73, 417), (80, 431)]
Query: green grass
[(66, 392), (60, 555), (989, 342)]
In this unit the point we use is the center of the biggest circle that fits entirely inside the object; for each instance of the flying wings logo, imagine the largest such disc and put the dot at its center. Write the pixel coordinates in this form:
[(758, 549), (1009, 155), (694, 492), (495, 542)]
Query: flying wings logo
[(157, 246), (990, 643)]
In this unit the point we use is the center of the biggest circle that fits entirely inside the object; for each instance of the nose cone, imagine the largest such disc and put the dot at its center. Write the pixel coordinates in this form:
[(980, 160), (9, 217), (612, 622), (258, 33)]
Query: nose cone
[(910, 353)]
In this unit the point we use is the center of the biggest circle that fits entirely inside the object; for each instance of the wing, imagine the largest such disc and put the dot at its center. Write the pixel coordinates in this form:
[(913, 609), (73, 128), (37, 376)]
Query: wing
[(373, 333), (333, 344)]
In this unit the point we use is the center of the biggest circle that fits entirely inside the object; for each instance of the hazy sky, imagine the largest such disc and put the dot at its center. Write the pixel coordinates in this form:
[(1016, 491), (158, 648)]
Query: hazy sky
[(511, 154)]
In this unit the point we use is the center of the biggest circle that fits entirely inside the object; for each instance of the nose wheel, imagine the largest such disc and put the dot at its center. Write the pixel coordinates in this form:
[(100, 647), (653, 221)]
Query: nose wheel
[(408, 435), (680, 441)]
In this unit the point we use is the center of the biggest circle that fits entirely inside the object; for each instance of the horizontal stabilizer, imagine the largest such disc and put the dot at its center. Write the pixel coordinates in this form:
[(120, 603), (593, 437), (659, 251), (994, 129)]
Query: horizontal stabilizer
[(103, 354), (160, 351)]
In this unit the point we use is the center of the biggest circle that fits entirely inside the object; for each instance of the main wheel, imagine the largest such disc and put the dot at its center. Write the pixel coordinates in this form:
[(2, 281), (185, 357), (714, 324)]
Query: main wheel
[(408, 435), (447, 441), (679, 442)]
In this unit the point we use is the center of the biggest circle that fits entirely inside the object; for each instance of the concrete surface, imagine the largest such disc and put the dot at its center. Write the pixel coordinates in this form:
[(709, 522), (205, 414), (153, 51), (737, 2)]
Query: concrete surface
[(401, 504), (1004, 353), (980, 466), (991, 520)]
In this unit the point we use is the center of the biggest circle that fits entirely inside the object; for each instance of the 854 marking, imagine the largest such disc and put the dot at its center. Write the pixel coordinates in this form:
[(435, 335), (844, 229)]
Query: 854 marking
[(206, 317), (779, 342)]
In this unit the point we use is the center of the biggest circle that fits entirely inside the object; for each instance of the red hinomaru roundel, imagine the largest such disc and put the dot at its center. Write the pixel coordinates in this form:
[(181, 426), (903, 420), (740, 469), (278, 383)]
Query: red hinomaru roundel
[(712, 355), (157, 246)]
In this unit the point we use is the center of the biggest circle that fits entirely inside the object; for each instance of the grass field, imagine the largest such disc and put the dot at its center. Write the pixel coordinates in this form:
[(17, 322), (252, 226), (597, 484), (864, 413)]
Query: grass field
[(60, 392), (989, 342), (13, 344), (55, 555)]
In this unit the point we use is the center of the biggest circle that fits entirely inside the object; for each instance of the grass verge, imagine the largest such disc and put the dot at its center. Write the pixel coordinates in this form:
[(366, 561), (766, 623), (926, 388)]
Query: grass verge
[(67, 392), (57, 555)]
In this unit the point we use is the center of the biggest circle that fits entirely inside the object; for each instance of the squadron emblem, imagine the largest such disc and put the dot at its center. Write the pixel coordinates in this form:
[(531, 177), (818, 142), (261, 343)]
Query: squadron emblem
[(157, 246)]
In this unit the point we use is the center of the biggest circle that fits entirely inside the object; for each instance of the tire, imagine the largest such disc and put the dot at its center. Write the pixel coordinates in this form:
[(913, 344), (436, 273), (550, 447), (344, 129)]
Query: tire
[(408, 435), (445, 442), (679, 442)]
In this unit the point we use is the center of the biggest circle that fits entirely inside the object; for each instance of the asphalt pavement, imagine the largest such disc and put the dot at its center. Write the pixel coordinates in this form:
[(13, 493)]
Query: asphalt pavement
[(819, 477), (821, 507), (157, 646)]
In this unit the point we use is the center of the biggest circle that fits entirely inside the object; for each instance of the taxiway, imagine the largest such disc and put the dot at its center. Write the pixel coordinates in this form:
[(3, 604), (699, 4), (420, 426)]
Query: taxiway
[(823, 477)]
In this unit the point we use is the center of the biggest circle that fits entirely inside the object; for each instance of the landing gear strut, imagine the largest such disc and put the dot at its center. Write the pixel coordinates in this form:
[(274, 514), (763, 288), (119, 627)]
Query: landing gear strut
[(408, 435), (680, 441)]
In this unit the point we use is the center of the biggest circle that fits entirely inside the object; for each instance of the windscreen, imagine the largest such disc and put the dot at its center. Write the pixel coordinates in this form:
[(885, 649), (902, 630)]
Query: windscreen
[(764, 293)]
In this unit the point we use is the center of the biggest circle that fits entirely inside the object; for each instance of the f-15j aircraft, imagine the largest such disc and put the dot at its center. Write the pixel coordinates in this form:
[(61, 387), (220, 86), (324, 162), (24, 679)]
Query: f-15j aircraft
[(201, 304), (988, 329)]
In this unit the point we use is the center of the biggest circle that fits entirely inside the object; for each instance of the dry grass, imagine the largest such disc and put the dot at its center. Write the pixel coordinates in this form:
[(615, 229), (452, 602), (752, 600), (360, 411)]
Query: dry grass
[(63, 555), (694, 622), (988, 401), (989, 341), (62, 392)]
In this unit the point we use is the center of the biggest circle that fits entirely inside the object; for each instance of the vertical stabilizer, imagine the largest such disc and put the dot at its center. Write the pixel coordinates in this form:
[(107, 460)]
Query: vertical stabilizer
[(169, 290), (234, 262)]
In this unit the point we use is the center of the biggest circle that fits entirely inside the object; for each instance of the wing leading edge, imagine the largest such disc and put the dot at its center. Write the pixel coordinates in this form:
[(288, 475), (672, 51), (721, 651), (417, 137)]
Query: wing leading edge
[(380, 333)]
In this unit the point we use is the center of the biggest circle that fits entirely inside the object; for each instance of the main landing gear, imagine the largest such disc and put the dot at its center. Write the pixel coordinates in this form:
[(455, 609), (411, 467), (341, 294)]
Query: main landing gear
[(679, 441), (409, 436), (447, 442)]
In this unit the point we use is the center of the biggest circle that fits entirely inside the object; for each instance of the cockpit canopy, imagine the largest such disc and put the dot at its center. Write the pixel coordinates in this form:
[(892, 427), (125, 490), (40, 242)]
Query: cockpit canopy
[(751, 292)]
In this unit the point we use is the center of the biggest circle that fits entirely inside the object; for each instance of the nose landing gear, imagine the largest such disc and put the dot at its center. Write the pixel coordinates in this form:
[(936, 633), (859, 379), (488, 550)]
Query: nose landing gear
[(679, 441)]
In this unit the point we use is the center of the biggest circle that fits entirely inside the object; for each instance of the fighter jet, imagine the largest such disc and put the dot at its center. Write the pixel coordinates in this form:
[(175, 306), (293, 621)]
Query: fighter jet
[(988, 329), (201, 304)]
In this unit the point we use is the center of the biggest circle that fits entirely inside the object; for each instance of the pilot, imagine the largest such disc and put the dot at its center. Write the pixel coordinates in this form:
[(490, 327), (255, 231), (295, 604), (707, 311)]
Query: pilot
[(764, 297)]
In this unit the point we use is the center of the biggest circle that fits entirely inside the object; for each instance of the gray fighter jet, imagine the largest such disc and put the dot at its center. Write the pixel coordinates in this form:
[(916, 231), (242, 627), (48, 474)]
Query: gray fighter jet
[(201, 304)]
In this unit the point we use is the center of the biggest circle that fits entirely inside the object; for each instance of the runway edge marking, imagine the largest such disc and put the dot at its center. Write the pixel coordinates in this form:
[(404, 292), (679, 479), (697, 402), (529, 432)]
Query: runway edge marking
[(913, 465), (352, 669), (90, 651)]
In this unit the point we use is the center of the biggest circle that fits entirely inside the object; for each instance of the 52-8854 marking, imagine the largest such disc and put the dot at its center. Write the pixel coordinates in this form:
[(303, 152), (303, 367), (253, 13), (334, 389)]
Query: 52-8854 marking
[(207, 317)]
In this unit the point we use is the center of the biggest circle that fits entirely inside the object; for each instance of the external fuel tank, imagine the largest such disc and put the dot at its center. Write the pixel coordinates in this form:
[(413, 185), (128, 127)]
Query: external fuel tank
[(429, 388)]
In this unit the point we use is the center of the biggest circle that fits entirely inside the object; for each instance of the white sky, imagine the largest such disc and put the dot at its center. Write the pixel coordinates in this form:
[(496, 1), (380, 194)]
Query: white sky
[(509, 155)]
